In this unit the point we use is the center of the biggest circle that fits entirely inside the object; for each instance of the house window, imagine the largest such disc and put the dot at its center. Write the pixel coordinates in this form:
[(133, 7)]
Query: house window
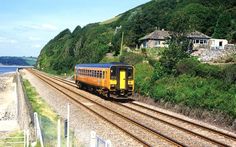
[(220, 43), (196, 41), (205, 42), (145, 44), (201, 41), (157, 43)]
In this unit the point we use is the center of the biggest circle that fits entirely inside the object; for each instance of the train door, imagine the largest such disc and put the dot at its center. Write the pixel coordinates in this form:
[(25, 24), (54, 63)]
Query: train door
[(122, 79)]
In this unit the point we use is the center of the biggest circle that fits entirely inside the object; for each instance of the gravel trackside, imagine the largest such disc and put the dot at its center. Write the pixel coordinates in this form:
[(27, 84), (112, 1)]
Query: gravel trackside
[(82, 121)]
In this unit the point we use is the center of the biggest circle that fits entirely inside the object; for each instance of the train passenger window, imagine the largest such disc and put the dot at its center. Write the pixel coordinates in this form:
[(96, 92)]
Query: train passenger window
[(93, 73), (103, 74), (97, 74), (100, 74), (130, 72), (113, 72)]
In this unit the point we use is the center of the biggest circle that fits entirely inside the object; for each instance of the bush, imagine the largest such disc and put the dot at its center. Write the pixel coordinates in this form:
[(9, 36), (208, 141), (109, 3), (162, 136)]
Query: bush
[(196, 92), (131, 58), (143, 74), (193, 67), (206, 70), (187, 66), (229, 74)]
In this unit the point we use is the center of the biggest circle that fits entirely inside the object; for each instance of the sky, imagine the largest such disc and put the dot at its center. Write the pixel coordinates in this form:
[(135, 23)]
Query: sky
[(27, 25)]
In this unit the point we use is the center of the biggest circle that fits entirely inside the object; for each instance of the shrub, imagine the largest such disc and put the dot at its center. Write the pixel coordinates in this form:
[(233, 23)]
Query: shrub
[(196, 92), (187, 66), (143, 74), (131, 58), (193, 67), (229, 74), (206, 70)]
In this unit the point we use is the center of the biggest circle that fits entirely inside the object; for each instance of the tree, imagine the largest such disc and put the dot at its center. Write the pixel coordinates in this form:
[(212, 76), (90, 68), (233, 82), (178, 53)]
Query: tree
[(177, 50)]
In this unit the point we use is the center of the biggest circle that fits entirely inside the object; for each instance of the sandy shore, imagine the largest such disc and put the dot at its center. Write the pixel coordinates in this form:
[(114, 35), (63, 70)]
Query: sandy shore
[(8, 103)]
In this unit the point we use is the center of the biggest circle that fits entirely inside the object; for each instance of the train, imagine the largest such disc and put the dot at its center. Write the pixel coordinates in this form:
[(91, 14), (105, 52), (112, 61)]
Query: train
[(106, 78)]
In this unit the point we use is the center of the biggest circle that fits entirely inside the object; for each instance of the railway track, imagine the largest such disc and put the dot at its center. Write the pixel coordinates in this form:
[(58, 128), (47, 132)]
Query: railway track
[(159, 135), (131, 106)]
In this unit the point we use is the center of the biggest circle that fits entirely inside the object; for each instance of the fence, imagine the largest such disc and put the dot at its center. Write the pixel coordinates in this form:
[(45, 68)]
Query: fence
[(38, 129), (96, 141)]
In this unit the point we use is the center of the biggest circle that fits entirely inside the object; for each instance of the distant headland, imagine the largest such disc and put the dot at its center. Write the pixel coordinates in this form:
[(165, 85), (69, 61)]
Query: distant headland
[(17, 61)]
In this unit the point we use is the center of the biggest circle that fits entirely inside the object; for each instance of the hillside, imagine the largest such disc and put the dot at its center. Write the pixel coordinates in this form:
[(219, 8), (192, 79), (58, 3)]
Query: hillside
[(91, 43), (176, 79), (23, 61)]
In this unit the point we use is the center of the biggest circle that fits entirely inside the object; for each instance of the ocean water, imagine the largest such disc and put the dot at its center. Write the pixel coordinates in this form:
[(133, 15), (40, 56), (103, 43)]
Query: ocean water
[(6, 69)]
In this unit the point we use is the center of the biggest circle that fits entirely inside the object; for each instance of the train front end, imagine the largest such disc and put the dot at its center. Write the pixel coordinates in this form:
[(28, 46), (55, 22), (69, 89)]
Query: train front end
[(122, 80)]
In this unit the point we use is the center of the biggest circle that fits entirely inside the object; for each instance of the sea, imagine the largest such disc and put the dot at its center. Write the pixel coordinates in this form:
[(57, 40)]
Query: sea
[(7, 69)]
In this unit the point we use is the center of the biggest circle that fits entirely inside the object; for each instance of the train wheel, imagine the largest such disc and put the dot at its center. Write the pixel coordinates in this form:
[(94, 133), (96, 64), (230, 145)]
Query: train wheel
[(79, 85)]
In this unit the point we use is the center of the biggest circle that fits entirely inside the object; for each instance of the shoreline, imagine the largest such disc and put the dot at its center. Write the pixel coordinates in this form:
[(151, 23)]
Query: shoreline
[(8, 102)]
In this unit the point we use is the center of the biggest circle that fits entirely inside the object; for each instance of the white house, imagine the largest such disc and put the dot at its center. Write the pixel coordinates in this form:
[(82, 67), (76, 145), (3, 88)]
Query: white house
[(217, 43)]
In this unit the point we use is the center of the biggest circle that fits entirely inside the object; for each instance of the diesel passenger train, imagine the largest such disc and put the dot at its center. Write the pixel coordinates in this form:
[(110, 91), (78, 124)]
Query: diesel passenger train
[(109, 78)]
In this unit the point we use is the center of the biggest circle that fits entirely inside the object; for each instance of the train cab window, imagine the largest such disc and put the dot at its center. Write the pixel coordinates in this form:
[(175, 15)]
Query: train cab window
[(130, 72), (113, 72)]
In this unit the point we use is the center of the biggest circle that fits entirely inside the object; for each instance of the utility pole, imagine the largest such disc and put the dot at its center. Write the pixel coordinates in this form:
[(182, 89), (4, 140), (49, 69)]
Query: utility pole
[(68, 128), (121, 44)]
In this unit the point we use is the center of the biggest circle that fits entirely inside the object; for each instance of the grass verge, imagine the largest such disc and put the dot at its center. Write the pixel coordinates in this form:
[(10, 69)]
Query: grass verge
[(47, 117)]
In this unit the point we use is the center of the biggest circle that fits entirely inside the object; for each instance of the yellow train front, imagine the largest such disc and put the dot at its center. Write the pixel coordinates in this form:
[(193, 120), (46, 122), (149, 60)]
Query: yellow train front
[(109, 78)]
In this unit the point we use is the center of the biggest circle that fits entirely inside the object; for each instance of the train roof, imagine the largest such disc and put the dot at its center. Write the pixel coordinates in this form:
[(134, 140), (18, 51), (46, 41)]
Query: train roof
[(102, 65)]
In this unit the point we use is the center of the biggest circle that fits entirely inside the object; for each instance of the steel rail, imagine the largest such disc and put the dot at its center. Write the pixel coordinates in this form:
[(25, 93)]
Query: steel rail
[(160, 135), (229, 136)]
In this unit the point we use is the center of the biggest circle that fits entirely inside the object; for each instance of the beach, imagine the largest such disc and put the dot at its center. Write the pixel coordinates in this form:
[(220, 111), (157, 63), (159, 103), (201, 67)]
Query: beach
[(8, 103)]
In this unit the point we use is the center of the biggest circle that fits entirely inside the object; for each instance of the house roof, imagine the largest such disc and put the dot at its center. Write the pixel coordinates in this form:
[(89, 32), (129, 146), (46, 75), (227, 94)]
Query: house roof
[(101, 65), (197, 34), (156, 35)]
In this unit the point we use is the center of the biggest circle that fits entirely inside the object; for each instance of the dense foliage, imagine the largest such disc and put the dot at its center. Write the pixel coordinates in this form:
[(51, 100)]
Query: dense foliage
[(92, 42)]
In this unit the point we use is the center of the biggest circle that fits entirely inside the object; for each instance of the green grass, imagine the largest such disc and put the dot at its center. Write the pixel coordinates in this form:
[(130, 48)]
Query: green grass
[(47, 116), (110, 20), (13, 137)]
